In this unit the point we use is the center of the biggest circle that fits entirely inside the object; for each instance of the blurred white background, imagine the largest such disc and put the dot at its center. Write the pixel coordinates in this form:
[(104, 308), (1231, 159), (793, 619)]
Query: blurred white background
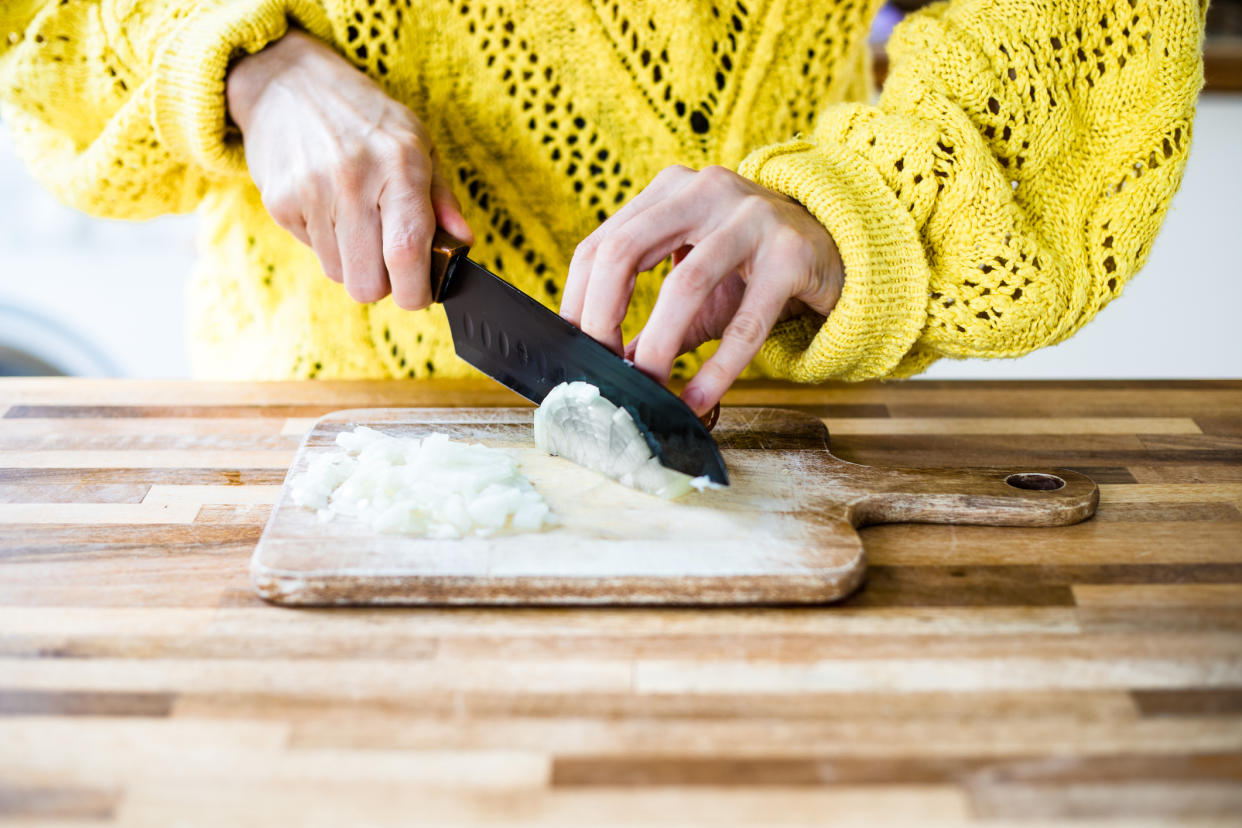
[(89, 297), (103, 298)]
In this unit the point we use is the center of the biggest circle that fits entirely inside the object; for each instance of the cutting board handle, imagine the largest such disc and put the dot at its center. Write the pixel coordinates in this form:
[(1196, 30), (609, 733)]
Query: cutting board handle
[(985, 496)]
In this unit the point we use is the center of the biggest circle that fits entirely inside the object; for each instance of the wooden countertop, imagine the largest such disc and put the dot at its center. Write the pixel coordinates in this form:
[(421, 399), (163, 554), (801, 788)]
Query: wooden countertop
[(983, 674)]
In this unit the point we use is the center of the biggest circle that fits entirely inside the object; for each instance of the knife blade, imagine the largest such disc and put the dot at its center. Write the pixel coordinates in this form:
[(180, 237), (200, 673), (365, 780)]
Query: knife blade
[(518, 342)]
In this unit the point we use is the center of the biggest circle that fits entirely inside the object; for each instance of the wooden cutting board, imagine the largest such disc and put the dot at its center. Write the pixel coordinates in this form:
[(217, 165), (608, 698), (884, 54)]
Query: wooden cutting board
[(783, 532)]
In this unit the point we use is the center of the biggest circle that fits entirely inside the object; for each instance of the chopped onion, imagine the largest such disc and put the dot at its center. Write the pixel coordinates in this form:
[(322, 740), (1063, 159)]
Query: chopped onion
[(576, 423), (433, 486)]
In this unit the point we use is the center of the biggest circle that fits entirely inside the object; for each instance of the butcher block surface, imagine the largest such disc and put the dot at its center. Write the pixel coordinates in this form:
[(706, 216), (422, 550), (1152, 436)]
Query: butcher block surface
[(781, 532), (1084, 674)]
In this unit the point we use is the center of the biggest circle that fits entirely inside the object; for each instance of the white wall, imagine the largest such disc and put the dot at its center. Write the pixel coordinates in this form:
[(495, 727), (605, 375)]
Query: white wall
[(116, 287), (121, 286)]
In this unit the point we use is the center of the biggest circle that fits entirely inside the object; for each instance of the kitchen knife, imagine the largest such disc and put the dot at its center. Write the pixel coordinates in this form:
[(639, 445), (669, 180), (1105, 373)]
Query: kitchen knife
[(526, 347)]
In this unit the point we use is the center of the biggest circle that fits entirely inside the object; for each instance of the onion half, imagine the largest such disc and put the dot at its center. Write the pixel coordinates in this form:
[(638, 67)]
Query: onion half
[(433, 487), (575, 422)]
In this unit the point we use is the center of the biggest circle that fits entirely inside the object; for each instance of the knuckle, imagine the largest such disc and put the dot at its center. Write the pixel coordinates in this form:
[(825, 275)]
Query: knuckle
[(585, 249), (693, 278), (386, 146), (347, 175), (656, 352), (716, 175), (714, 374), (752, 207), (673, 171), (746, 328), (406, 245), (315, 182), (284, 206), (617, 246)]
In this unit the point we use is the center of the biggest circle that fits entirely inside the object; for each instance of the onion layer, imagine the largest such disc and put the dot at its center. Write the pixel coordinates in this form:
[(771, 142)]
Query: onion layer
[(576, 423), (433, 486)]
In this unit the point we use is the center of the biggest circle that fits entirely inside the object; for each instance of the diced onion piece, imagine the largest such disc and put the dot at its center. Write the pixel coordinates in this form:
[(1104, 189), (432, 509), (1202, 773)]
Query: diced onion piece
[(576, 423), (434, 486)]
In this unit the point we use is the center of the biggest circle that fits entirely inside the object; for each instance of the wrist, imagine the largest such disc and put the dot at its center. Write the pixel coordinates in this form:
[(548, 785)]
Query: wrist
[(250, 76)]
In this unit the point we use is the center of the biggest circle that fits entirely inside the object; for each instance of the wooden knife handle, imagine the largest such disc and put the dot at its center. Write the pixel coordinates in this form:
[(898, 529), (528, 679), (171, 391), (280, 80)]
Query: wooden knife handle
[(445, 248)]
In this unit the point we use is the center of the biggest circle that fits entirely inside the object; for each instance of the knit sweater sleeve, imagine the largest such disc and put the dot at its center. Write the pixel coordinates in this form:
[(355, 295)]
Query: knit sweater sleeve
[(118, 106), (1006, 186)]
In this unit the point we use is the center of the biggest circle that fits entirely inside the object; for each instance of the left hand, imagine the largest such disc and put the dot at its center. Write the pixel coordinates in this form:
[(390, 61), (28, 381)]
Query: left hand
[(744, 258)]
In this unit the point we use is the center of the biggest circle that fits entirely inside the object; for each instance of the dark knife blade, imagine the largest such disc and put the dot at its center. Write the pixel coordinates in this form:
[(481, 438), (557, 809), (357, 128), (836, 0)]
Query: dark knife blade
[(518, 342)]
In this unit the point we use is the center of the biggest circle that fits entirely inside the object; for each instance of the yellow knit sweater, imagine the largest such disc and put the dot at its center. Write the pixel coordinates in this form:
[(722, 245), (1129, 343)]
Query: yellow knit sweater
[(1004, 188)]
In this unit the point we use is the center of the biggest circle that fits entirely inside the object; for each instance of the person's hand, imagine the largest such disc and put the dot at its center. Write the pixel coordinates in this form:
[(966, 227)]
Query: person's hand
[(744, 258), (344, 168)]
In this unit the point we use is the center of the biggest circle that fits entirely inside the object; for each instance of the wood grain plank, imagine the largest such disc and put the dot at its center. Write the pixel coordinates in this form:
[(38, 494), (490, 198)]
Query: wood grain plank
[(1122, 803), (917, 675), (70, 440), (98, 514), (85, 545), (357, 677), (1165, 493), (68, 703), (802, 649), (1068, 708), (122, 579), (1168, 442), (148, 751), (1186, 472), (142, 476), (1229, 426), (118, 623), (1153, 595), (28, 427), (938, 586), (1189, 701), (519, 622), (1165, 512), (297, 426), (1138, 621), (154, 459), (235, 515), (1096, 542), (216, 495), (391, 804), (833, 770), (937, 426), (778, 739), (72, 493), (45, 803)]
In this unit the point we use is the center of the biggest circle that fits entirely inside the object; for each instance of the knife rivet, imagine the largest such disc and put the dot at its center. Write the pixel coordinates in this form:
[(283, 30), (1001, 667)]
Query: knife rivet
[(504, 344), (487, 334)]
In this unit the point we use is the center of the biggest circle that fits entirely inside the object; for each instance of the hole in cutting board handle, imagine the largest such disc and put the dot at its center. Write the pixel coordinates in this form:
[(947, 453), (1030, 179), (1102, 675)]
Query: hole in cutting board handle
[(1035, 481)]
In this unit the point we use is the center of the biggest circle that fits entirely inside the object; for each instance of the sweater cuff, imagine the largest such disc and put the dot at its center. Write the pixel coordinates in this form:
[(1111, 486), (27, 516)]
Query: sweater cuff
[(189, 107), (883, 304)]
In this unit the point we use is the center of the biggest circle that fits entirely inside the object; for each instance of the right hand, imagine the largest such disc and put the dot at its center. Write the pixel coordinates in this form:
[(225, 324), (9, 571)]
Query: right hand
[(343, 167)]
